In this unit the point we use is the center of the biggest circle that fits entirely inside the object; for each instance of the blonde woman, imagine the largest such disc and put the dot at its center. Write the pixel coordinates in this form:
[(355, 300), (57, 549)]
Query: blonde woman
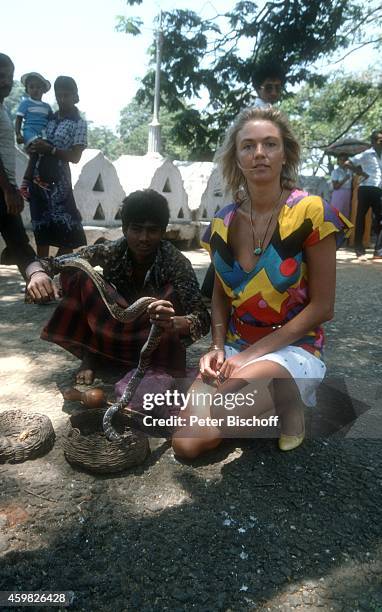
[(274, 254)]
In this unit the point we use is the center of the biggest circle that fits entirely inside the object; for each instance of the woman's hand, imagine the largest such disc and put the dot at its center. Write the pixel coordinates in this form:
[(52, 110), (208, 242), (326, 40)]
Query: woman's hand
[(40, 146), (210, 364), (162, 313), (42, 288), (231, 366)]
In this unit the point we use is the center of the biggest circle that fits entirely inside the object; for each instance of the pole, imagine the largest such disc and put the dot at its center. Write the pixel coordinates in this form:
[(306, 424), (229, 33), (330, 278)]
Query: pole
[(154, 141)]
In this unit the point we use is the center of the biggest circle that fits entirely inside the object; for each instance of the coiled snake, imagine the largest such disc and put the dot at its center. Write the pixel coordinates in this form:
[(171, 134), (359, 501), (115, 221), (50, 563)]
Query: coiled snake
[(125, 315)]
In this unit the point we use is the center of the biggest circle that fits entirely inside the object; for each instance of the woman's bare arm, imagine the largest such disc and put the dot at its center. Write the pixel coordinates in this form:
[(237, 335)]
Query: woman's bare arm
[(72, 155), (211, 363), (220, 311)]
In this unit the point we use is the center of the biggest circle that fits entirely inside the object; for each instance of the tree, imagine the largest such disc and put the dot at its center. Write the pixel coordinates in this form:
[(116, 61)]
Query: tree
[(343, 106), (104, 139), (205, 56), (134, 127)]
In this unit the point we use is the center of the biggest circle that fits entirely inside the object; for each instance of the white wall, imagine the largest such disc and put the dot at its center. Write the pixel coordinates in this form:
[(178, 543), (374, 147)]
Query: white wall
[(97, 189), (154, 172), (194, 190)]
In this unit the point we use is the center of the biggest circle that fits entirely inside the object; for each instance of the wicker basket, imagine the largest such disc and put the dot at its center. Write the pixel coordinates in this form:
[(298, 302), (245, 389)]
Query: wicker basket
[(86, 446), (24, 436)]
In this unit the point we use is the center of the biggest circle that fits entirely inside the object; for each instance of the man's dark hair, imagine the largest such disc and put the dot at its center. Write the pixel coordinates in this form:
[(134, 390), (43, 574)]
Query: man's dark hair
[(145, 205), (5, 60), (267, 70), (374, 135)]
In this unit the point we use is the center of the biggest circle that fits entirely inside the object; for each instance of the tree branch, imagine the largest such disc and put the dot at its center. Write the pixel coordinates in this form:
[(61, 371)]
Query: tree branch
[(369, 42), (363, 112)]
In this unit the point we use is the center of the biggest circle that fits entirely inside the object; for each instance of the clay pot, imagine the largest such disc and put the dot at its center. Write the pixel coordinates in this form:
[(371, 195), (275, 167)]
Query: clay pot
[(92, 398)]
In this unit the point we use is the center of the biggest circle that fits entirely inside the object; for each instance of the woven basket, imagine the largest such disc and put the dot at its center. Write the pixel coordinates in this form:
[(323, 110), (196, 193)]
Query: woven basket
[(24, 436), (86, 446)]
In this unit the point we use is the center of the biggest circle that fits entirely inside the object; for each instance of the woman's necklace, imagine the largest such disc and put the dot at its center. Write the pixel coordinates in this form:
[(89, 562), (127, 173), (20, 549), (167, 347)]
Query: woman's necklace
[(257, 250)]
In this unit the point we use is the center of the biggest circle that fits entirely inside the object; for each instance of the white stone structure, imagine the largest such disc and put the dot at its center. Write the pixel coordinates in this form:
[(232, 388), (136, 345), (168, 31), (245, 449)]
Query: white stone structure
[(195, 191), (155, 172), (97, 189), (195, 176), (215, 197)]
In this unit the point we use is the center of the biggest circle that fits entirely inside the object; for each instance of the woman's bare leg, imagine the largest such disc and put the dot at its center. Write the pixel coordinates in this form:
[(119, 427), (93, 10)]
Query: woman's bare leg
[(289, 406), (286, 397), (191, 441)]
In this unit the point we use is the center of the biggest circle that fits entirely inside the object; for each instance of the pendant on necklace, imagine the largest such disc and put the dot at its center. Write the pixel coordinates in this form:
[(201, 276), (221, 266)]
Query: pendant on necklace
[(258, 250)]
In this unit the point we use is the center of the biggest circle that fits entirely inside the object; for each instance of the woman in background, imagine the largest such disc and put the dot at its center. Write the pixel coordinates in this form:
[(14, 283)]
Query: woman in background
[(56, 220), (342, 181)]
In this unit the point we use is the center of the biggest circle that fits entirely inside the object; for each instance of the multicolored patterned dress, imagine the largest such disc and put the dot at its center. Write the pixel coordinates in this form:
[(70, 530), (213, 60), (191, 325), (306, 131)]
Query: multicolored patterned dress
[(56, 220), (276, 289)]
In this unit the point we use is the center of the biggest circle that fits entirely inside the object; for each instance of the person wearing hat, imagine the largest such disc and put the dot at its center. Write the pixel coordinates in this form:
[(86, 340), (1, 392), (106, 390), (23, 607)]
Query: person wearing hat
[(31, 120), (32, 114), (56, 220)]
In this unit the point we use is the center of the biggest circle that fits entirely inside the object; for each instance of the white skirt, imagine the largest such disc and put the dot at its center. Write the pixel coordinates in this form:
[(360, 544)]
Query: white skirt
[(307, 370)]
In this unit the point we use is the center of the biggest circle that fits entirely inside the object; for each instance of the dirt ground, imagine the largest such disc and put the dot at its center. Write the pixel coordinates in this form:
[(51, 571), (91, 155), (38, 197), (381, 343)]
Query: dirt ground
[(245, 528)]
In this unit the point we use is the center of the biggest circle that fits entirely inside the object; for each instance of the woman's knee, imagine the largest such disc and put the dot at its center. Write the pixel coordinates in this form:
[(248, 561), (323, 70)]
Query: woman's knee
[(185, 448), (191, 448)]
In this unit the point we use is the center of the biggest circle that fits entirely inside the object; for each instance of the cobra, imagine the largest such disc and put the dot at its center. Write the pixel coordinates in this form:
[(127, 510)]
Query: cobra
[(125, 315)]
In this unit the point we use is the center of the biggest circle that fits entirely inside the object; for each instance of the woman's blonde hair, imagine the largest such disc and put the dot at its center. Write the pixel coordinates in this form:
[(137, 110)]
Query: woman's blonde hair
[(226, 156)]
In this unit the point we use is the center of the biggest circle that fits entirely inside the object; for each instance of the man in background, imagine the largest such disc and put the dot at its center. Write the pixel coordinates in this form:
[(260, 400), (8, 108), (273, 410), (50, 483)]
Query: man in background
[(19, 251), (369, 165), (268, 81)]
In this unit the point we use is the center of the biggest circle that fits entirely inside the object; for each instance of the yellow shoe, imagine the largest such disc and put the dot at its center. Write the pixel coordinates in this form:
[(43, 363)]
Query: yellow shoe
[(288, 443)]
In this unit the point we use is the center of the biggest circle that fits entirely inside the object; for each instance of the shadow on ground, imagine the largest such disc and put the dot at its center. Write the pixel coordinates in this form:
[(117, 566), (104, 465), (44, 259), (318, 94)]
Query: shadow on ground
[(248, 536)]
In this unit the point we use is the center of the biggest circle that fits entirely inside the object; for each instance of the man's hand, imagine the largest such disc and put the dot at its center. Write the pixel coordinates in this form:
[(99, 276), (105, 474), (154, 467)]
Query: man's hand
[(42, 288), (19, 139), (162, 313), (14, 201)]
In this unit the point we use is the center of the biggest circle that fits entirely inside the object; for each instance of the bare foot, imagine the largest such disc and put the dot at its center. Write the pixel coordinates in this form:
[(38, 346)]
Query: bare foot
[(85, 374)]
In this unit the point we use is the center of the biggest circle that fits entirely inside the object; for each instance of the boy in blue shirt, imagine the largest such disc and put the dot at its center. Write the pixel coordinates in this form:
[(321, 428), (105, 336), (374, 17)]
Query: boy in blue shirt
[(32, 113), (31, 120)]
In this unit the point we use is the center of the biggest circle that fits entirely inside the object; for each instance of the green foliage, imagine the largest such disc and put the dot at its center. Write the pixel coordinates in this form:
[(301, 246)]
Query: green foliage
[(216, 58), (321, 115), (129, 25), (133, 129), (104, 139)]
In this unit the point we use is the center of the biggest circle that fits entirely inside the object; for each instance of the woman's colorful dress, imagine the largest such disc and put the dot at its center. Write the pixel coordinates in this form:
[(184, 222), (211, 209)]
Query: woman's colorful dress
[(56, 220), (276, 289)]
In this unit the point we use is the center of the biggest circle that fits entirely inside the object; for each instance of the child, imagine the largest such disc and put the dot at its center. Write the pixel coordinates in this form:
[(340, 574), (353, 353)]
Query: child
[(32, 118)]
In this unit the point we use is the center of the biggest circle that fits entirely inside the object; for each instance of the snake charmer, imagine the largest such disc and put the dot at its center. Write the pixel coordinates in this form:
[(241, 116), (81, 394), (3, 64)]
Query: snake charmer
[(139, 264)]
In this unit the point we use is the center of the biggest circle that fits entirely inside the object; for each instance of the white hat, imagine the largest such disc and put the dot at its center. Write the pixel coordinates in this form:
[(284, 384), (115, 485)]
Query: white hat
[(45, 82)]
